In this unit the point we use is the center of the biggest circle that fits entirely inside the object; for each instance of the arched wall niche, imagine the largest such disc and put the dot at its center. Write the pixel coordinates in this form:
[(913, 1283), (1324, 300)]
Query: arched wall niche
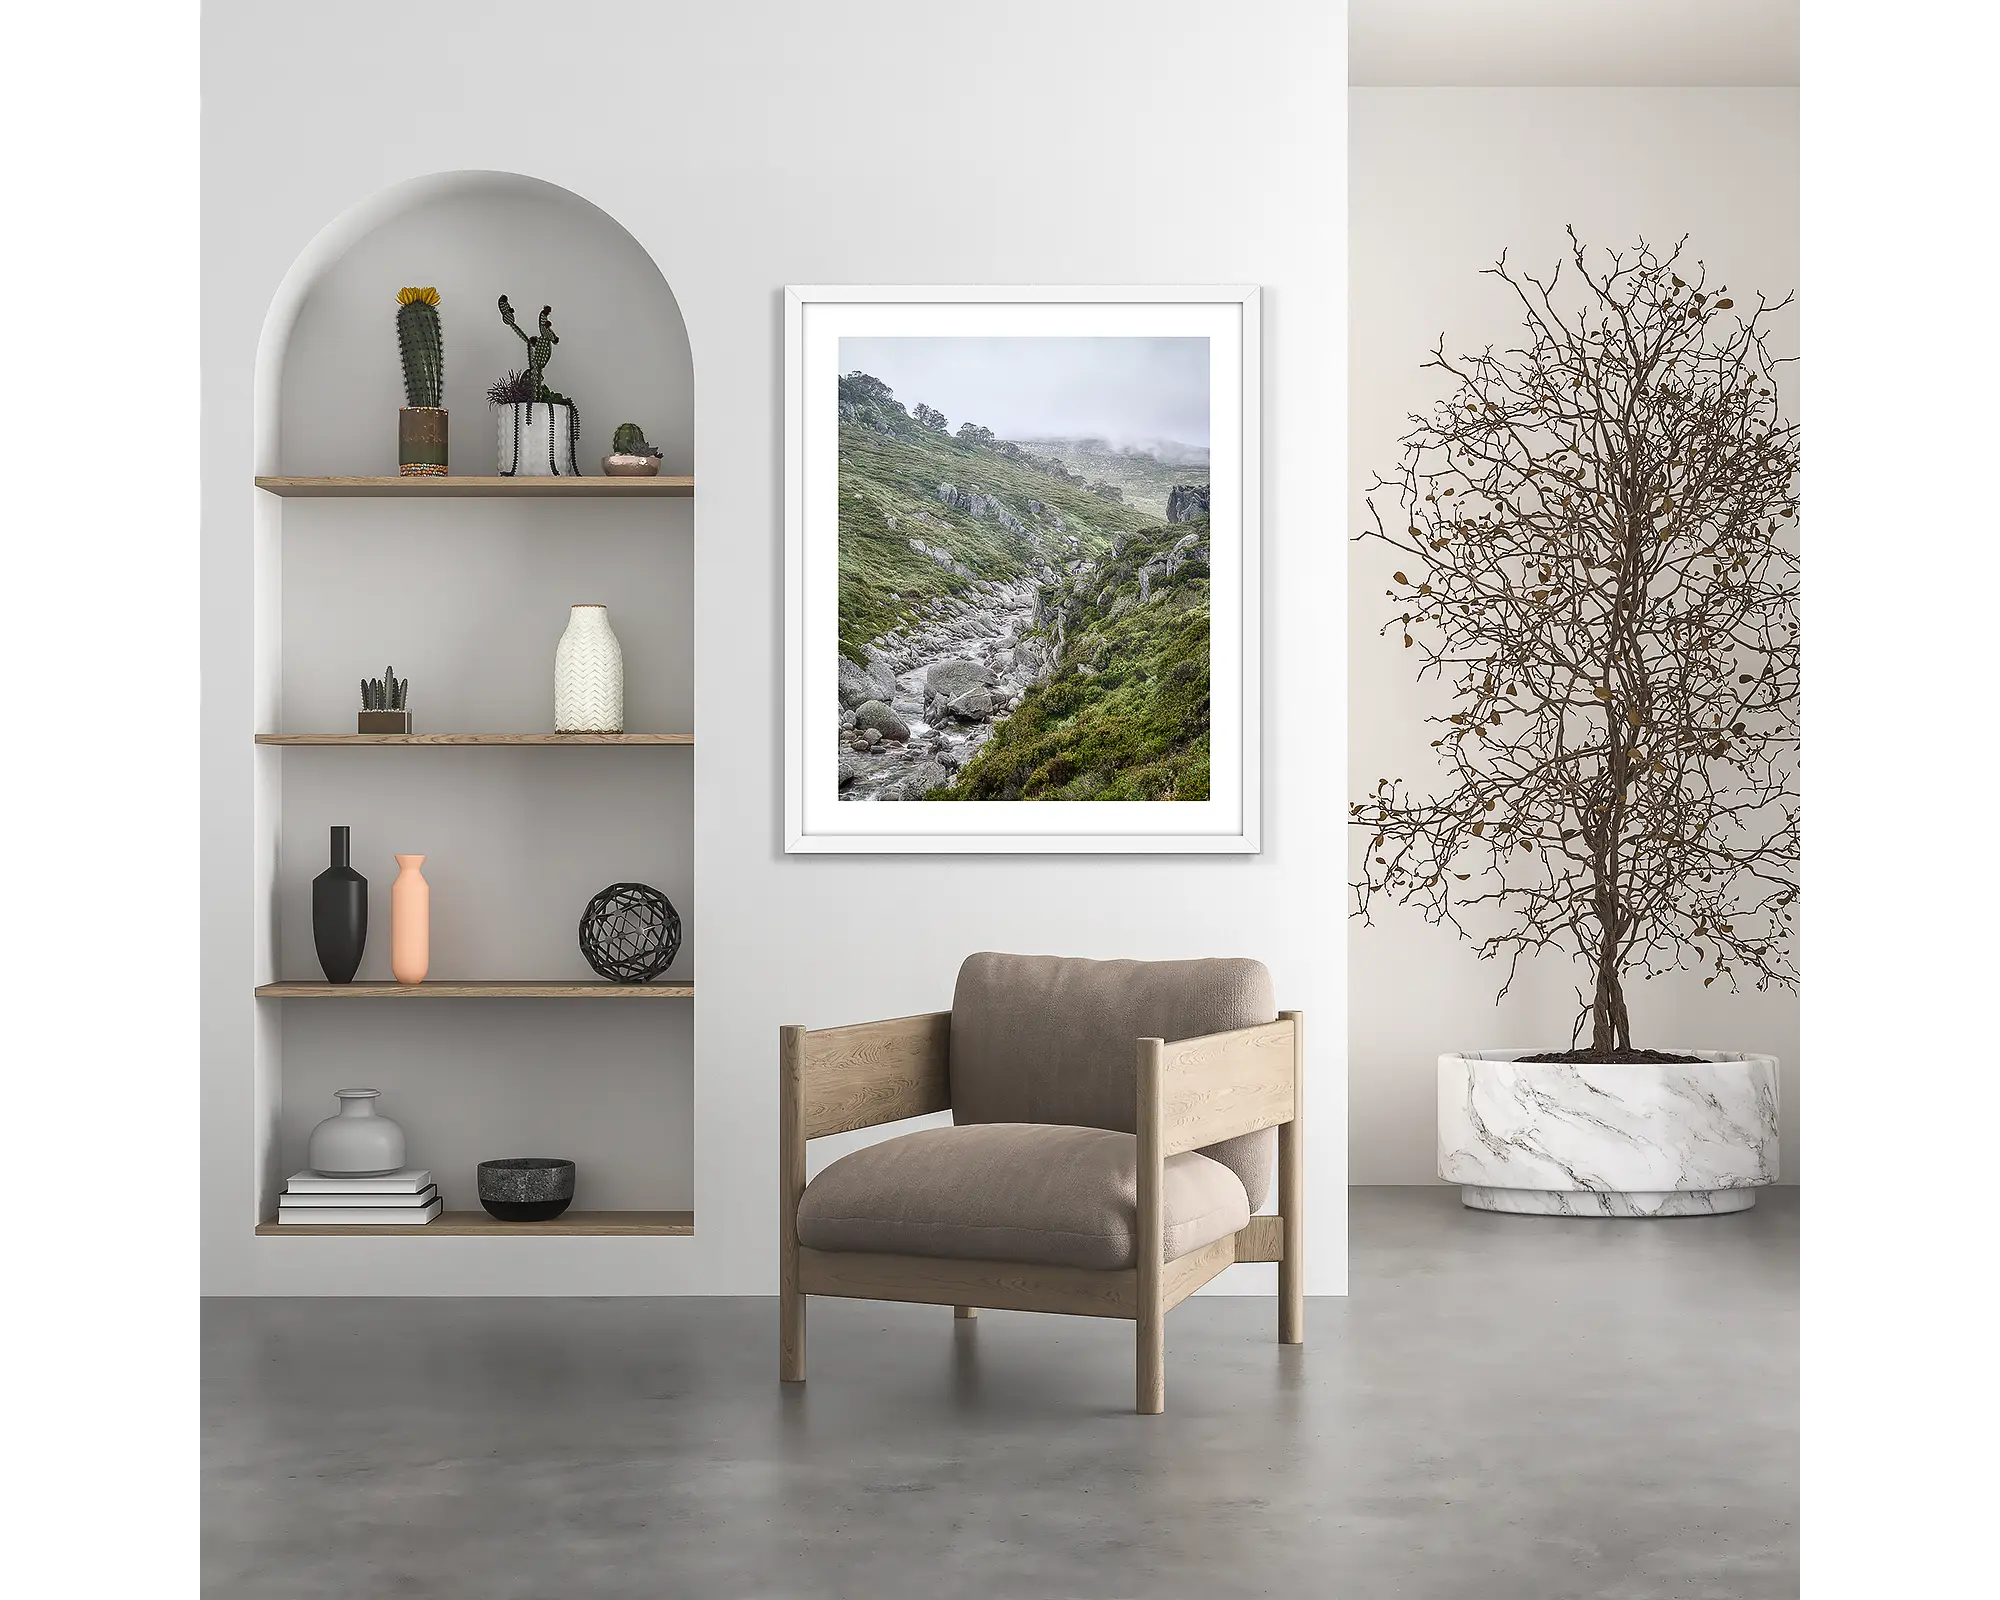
[(328, 377), (468, 597)]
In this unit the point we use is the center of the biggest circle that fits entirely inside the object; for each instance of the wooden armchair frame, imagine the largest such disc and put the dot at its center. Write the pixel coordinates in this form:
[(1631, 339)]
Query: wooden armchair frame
[(1191, 1093)]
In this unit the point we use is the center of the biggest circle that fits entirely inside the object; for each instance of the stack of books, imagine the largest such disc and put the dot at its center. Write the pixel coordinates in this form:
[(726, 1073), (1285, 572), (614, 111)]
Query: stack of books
[(401, 1200)]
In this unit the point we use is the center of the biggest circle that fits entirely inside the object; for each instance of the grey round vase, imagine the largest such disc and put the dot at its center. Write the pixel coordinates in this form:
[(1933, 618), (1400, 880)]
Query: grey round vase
[(527, 1188), (357, 1141)]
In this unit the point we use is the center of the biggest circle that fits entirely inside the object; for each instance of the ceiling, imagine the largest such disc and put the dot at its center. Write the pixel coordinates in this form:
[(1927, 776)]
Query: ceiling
[(1572, 43)]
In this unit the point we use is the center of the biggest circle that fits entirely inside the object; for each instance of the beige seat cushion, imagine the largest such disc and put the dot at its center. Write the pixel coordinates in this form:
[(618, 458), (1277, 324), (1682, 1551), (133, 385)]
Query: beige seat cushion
[(1052, 1039), (1010, 1191)]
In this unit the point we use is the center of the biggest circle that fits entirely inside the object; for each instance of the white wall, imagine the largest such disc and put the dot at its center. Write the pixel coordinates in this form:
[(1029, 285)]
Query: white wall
[(1441, 181), (745, 147)]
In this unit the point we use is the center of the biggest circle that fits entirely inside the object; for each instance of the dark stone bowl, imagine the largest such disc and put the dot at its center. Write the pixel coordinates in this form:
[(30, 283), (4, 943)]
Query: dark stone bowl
[(527, 1188)]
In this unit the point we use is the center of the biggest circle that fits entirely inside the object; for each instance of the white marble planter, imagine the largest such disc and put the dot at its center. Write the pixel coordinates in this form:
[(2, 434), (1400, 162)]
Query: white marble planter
[(1664, 1140)]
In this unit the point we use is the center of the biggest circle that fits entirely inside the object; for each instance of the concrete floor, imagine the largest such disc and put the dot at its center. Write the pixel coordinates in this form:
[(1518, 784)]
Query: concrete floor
[(1502, 1407)]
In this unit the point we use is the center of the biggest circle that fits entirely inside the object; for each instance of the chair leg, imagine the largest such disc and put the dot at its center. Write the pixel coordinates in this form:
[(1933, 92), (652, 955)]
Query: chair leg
[(1292, 1198), (1292, 1264), (1148, 1241), (964, 1313), (1291, 1301), (791, 1335), (791, 1185), (1152, 1360)]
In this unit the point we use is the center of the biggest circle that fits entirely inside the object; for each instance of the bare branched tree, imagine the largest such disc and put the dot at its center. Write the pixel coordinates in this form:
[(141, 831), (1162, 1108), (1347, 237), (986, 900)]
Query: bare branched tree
[(1595, 555)]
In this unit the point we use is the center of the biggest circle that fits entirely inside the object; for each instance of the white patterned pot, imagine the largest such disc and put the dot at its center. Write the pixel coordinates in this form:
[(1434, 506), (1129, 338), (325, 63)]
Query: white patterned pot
[(1666, 1139), (538, 440), (590, 674)]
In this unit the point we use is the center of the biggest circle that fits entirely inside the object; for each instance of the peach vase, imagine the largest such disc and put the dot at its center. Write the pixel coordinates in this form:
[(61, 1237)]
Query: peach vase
[(410, 922)]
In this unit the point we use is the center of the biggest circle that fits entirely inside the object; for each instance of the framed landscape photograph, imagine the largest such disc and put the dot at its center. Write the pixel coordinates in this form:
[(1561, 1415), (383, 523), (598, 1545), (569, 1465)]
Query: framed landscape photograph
[(1021, 579)]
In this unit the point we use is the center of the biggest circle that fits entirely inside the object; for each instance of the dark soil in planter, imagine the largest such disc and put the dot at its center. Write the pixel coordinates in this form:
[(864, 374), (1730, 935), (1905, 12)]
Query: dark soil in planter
[(1614, 1058)]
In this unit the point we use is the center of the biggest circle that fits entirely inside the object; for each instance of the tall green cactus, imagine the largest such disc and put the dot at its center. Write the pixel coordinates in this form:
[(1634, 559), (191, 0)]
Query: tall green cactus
[(540, 348), (422, 342)]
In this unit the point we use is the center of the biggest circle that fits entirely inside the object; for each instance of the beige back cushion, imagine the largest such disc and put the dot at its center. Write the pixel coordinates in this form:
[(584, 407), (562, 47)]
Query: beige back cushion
[(1050, 1039)]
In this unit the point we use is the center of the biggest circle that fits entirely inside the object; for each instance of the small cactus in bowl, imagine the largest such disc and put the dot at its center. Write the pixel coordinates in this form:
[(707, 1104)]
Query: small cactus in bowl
[(631, 456)]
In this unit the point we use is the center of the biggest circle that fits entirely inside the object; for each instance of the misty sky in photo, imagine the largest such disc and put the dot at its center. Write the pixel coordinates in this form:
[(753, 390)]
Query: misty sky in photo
[(1121, 389)]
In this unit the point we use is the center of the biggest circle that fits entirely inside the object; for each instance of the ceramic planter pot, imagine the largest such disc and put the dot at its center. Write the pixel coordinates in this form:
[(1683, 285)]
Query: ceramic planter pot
[(538, 440), (616, 466), (1669, 1139), (423, 441)]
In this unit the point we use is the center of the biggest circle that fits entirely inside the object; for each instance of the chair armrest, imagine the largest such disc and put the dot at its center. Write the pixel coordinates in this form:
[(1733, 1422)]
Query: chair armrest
[(840, 1079), (1220, 1085)]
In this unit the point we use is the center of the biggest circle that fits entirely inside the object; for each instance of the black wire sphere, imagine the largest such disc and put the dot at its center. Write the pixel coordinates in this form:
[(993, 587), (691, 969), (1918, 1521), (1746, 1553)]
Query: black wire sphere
[(630, 933)]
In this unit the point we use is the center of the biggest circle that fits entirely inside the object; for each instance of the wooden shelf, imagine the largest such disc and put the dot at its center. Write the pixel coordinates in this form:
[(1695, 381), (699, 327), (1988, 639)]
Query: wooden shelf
[(517, 739), (460, 488), (477, 1224), (482, 989)]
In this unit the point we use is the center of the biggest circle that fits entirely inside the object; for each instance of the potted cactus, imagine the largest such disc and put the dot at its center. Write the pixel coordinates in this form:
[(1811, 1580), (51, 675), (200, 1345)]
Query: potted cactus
[(423, 426), (385, 704), (631, 456), (538, 427)]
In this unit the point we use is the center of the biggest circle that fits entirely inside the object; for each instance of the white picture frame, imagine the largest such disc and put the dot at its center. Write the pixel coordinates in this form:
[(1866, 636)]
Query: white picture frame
[(817, 318)]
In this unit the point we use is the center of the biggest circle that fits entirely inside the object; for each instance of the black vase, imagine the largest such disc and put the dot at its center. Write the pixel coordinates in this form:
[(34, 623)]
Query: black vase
[(340, 915)]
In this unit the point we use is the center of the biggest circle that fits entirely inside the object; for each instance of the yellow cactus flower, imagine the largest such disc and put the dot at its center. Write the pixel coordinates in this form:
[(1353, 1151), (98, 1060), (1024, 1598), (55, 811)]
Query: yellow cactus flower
[(405, 296)]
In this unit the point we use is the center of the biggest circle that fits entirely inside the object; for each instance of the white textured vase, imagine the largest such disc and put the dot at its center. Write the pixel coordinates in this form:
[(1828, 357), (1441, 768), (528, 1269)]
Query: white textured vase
[(1655, 1139), (538, 440), (590, 675), (357, 1141)]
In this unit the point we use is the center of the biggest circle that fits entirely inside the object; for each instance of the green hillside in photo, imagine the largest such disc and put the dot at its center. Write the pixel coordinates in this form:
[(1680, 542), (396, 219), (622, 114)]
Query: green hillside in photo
[(889, 497), (1125, 717), (1015, 626)]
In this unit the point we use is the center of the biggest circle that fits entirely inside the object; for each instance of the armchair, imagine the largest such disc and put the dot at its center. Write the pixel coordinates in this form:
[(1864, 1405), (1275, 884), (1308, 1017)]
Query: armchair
[(1113, 1124)]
